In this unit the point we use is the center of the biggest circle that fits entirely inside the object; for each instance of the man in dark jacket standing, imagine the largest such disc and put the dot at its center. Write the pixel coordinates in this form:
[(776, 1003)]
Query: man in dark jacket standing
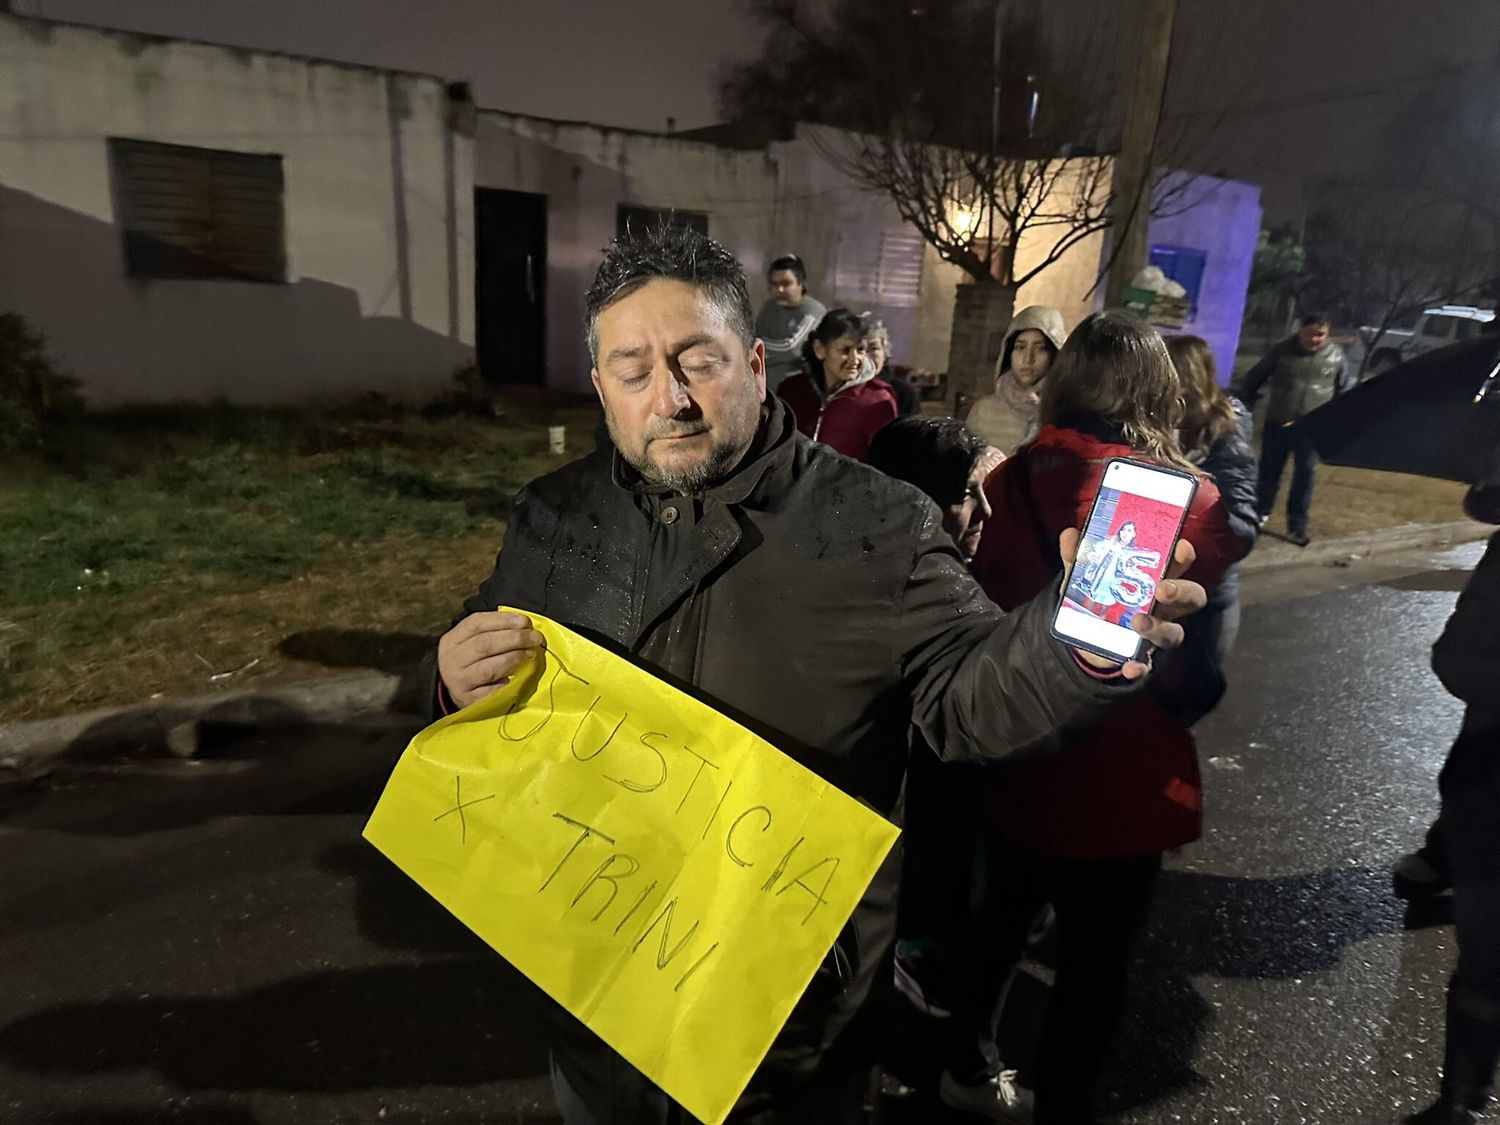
[(1466, 659), (1304, 371), (808, 597)]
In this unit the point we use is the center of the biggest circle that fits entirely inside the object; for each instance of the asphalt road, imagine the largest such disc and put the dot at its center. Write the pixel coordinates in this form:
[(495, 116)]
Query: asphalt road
[(210, 940)]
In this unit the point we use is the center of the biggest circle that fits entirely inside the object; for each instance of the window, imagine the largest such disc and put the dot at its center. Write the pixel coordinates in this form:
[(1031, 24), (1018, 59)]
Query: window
[(1468, 329), (1184, 266), (1437, 327), (199, 212), (631, 220), (879, 267)]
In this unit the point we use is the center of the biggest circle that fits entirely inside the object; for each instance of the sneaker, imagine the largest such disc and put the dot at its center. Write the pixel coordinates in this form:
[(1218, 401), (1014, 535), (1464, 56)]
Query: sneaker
[(999, 1099), (1414, 877), (1299, 537)]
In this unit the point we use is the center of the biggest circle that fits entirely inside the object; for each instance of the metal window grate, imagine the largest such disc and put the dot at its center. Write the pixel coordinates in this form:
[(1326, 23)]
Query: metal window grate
[(879, 267), (199, 213)]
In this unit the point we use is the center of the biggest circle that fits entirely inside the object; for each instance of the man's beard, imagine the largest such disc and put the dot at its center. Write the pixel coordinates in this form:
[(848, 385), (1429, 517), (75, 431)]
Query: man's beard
[(729, 440)]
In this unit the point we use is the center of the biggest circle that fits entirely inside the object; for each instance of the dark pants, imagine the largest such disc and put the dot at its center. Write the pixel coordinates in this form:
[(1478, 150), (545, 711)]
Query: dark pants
[(941, 838), (1101, 905), (1471, 809), (1277, 444)]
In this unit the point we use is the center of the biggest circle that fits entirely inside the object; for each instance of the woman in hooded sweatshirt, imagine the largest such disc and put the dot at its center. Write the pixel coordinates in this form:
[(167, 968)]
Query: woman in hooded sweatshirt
[(1083, 829), (837, 399), (1008, 417)]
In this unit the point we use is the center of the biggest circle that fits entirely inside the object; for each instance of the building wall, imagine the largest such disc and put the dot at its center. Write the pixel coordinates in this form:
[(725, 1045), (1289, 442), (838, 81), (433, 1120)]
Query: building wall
[(828, 219), (586, 172), (378, 185), (1222, 219), (1069, 284), (794, 196), (787, 198)]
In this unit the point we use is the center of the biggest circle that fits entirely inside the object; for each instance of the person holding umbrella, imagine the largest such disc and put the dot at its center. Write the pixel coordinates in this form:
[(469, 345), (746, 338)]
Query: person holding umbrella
[(1439, 416), (1304, 371)]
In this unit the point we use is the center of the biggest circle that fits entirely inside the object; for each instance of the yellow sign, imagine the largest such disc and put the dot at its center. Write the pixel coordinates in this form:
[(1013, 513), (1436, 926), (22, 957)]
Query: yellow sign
[(670, 878)]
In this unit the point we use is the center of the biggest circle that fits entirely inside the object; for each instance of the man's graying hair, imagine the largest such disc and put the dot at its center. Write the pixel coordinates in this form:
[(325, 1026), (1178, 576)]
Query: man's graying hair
[(676, 254)]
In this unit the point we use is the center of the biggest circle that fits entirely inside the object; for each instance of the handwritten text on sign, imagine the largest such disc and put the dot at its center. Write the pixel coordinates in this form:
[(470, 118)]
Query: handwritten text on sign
[(664, 874)]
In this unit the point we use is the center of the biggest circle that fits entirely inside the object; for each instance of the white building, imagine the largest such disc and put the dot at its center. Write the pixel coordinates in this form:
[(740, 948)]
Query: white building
[(572, 186), (551, 194), (186, 221)]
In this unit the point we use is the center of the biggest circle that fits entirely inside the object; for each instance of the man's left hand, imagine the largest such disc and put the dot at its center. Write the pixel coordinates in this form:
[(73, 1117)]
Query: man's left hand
[(1176, 598)]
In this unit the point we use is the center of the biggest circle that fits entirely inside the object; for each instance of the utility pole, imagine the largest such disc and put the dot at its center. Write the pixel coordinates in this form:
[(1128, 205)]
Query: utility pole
[(1132, 202), (994, 133)]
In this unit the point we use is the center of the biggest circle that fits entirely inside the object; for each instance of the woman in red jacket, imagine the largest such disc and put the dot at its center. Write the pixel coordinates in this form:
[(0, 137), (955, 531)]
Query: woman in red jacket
[(1083, 829), (836, 399)]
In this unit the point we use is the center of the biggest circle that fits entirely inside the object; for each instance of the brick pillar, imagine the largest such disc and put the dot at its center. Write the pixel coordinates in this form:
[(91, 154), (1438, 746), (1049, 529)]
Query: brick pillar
[(981, 314)]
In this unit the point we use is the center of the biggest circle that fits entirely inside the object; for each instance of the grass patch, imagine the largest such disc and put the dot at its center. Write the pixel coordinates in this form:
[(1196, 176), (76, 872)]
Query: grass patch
[(151, 549), (149, 545), (1347, 501)]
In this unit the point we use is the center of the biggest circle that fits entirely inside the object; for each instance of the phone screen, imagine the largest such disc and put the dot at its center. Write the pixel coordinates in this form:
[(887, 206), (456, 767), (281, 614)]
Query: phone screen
[(1124, 551)]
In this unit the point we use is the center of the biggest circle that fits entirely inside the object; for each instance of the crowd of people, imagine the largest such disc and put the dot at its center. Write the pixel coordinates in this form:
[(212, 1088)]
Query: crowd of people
[(1039, 785)]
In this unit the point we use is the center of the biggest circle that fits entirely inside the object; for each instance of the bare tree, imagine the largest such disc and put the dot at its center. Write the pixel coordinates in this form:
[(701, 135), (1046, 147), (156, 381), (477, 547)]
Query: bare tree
[(1378, 255), (960, 112), (1277, 277), (1423, 226)]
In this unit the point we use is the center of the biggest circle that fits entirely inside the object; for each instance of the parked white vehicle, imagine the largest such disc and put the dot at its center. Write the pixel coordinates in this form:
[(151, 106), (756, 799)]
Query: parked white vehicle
[(1435, 328)]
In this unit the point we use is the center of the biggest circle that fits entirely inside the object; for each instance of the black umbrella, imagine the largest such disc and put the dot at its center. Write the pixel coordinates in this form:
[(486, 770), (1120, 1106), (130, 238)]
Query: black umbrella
[(1434, 416)]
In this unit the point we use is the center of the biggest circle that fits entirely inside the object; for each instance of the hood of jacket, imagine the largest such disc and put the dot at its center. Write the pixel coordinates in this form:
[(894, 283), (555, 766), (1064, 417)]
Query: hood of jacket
[(819, 381), (1044, 318)]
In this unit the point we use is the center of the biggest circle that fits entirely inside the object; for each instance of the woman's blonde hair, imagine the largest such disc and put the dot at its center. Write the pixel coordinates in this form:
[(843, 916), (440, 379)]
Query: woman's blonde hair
[(1208, 414), (1116, 367)]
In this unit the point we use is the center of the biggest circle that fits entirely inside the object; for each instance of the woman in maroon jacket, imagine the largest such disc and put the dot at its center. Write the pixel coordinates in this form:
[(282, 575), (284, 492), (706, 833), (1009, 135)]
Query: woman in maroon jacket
[(1083, 829), (837, 399)]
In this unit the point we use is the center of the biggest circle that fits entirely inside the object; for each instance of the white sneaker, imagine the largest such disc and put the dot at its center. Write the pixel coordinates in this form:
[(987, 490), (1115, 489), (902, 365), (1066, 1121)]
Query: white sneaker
[(999, 1099)]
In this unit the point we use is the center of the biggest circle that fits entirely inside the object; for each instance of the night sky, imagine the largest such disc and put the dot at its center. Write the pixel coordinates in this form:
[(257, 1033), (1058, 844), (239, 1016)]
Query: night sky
[(1296, 90)]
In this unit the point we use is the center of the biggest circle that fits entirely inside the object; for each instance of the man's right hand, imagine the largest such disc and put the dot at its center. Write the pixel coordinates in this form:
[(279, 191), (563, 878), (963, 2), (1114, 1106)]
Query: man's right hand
[(478, 654)]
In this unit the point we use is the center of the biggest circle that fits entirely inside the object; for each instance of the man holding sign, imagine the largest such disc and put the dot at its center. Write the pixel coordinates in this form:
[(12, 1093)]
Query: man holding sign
[(813, 600)]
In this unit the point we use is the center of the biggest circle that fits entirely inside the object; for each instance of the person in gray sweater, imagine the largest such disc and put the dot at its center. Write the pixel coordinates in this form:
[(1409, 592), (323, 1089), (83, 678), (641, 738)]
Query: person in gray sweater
[(787, 319), (1303, 372)]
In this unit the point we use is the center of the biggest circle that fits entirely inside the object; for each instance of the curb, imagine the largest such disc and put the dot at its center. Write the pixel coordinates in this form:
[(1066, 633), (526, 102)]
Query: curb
[(180, 727), (1271, 552)]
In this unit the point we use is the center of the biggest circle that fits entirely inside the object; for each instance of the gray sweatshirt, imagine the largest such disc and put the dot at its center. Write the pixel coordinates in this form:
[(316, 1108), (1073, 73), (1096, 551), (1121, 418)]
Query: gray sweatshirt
[(784, 330)]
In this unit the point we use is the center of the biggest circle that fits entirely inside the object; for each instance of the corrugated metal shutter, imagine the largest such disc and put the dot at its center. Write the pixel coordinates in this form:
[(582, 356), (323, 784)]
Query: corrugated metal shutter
[(879, 267), (199, 213)]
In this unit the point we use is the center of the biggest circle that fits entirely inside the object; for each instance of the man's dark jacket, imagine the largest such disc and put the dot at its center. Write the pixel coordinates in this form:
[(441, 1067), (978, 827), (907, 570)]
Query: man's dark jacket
[(1300, 380), (1466, 659), (823, 606)]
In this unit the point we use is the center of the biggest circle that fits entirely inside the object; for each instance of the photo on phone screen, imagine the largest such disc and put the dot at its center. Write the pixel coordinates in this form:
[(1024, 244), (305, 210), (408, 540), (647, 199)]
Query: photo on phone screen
[(1123, 553)]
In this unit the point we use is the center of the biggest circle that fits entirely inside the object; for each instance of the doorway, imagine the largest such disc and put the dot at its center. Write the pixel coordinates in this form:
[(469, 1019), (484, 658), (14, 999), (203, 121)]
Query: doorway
[(510, 285)]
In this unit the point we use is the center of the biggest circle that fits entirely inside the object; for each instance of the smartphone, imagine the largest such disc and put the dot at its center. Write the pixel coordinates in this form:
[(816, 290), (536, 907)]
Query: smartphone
[(1125, 549)]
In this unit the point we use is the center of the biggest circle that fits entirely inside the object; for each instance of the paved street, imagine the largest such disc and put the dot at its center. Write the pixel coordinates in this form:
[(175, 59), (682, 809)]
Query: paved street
[(210, 941)]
